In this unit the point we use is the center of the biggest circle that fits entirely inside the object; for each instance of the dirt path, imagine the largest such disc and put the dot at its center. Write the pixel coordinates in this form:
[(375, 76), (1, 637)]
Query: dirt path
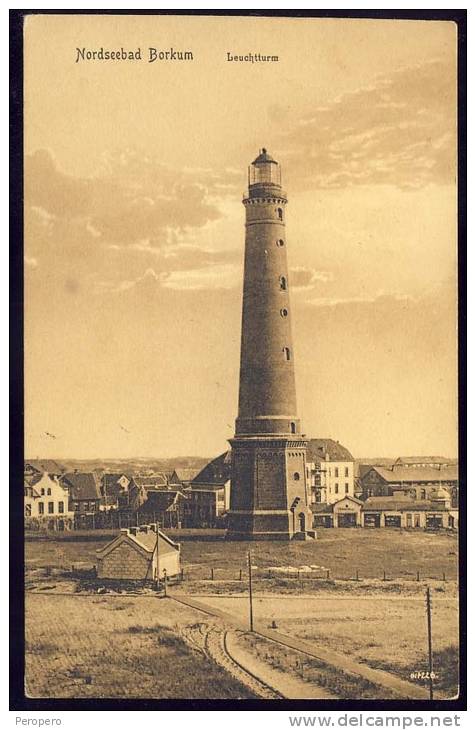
[(214, 641), (378, 677)]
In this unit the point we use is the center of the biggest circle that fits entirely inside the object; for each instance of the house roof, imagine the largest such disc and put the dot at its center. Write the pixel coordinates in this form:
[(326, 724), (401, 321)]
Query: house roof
[(382, 504), (423, 460), (318, 448), (153, 481), (186, 474), (144, 537), (321, 507), (404, 474), (33, 479), (83, 485), (161, 500), (217, 471), (46, 466), (110, 483)]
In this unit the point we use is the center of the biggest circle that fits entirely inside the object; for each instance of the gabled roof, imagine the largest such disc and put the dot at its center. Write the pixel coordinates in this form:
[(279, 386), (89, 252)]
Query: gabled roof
[(153, 481), (407, 474), (185, 474), (318, 448), (33, 479), (423, 460), (110, 483), (217, 471), (161, 500), (144, 537), (82, 485), (46, 466), (382, 504)]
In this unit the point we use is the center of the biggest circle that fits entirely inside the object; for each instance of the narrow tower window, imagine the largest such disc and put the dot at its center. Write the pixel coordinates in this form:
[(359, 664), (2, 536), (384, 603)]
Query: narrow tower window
[(280, 242), (293, 427), (280, 213), (282, 283), (283, 312), (287, 353), (296, 476)]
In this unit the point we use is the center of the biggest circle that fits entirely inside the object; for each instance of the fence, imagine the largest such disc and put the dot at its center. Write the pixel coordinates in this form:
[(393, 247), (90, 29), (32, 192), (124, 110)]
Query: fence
[(219, 574)]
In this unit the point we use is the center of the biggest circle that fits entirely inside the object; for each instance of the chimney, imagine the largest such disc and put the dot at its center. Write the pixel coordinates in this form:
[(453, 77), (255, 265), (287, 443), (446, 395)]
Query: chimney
[(144, 528), (123, 531), (133, 530), (153, 527)]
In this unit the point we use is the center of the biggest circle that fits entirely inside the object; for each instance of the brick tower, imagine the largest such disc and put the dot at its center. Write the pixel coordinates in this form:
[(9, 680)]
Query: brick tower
[(268, 484)]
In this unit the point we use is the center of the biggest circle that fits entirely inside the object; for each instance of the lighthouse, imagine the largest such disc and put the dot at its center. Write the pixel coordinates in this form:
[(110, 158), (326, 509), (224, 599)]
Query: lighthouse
[(268, 499)]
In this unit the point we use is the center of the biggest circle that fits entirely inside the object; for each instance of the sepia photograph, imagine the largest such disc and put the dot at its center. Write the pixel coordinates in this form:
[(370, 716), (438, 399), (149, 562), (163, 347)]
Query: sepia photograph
[(242, 424)]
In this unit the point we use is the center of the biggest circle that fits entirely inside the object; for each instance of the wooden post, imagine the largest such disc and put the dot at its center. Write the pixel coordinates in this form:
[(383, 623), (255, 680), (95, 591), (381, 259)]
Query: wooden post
[(418, 576), (444, 577), (384, 575), (165, 583), (211, 574), (328, 574), (430, 648), (241, 574), (250, 589), (356, 575)]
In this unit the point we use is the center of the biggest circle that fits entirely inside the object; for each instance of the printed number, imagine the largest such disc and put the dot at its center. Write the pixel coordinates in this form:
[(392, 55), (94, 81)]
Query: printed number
[(423, 675)]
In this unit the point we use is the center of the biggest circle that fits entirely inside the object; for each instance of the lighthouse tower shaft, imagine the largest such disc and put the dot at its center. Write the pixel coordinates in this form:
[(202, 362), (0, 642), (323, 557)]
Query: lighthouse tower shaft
[(268, 485)]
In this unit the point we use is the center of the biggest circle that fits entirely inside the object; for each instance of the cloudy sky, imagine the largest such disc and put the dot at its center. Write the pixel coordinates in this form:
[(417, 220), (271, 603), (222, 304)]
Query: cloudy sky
[(134, 233)]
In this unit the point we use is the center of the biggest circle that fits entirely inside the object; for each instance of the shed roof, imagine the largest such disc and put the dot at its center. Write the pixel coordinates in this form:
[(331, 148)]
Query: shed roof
[(424, 460), (144, 537)]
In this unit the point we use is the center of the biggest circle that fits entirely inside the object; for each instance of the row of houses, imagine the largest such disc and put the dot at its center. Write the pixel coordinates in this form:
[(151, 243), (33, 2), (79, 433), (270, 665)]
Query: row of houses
[(341, 493), (62, 500)]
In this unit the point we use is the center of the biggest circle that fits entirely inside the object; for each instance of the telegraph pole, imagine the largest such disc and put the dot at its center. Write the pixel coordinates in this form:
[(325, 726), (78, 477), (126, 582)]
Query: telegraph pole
[(157, 574), (430, 648), (250, 587)]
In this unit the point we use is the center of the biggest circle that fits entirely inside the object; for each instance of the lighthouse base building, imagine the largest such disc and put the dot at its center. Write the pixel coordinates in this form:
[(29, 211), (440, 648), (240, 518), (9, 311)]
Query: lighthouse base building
[(271, 502)]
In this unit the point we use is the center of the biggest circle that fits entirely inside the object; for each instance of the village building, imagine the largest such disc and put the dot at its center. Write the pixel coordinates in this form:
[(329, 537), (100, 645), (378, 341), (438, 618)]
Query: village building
[(34, 467), (396, 510), (46, 504), (345, 512), (330, 471), (399, 511), (114, 491), (139, 553), (209, 494), (84, 496), (416, 482), (166, 506), (435, 462)]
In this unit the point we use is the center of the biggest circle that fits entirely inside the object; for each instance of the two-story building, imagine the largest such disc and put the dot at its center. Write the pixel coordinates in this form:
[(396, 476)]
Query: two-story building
[(84, 491), (46, 504), (209, 493), (330, 471)]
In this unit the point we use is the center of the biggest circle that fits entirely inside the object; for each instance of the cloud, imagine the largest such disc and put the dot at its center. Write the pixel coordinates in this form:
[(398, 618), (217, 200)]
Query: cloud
[(221, 276), (378, 298), (130, 199), (306, 278), (398, 131)]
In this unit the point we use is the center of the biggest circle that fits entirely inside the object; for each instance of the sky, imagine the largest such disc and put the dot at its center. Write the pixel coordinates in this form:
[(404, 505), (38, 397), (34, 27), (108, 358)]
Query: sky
[(134, 230)]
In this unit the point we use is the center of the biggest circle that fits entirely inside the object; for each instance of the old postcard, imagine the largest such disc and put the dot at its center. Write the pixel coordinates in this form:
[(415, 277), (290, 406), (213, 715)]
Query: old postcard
[(241, 358)]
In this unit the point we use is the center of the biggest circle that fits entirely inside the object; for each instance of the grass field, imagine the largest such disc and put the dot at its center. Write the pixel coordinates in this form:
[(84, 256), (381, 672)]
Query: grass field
[(343, 552), (105, 646)]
